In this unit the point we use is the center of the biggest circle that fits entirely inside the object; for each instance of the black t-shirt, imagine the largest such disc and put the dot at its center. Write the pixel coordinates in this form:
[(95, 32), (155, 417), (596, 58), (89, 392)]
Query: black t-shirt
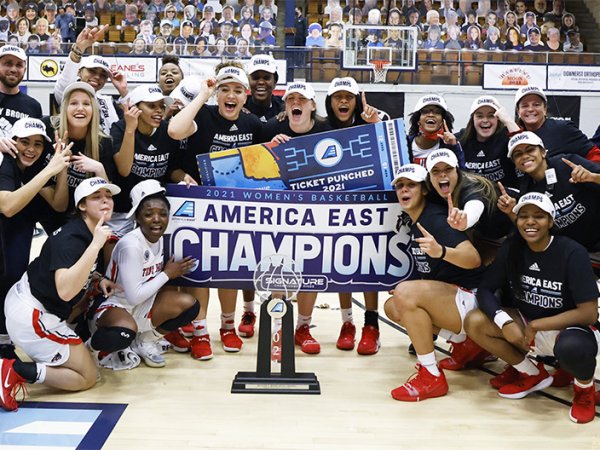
[(274, 127), (15, 107), (215, 133), (11, 179), (577, 204), (552, 281), (489, 159), (563, 136), (433, 219), (154, 157), (60, 251), (264, 113)]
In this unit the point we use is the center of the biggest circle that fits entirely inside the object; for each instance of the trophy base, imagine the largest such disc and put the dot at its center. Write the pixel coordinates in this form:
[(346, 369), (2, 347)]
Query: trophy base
[(251, 383)]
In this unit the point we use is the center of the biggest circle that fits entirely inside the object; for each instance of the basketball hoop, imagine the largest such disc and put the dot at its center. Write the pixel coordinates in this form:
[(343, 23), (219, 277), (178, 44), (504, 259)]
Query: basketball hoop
[(380, 68)]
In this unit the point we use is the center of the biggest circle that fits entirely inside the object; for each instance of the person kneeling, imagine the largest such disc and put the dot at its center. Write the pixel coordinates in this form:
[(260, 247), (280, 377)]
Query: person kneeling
[(554, 303), (449, 266)]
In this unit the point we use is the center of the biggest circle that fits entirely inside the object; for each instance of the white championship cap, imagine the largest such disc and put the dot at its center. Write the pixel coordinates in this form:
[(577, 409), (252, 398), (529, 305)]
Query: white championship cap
[(91, 185), (96, 61), (142, 190), (14, 51), (484, 100), (526, 90), (148, 93), (188, 89), (526, 137), (430, 99), (232, 74), (79, 86), (413, 172), (29, 126), (442, 155), (300, 87), (261, 62), (347, 84), (538, 199)]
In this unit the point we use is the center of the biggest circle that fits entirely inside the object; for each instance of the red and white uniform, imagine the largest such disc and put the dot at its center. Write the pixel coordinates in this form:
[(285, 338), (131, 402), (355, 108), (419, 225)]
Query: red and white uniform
[(136, 265)]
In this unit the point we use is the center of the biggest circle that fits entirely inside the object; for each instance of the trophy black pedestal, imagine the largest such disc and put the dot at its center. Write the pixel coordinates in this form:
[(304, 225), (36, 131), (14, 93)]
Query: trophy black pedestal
[(263, 381)]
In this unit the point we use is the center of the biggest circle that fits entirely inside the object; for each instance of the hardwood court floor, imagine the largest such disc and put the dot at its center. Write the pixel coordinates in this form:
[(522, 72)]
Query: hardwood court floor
[(188, 404)]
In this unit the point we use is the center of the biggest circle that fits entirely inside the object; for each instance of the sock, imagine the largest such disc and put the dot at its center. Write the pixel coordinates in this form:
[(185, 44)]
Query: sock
[(303, 320), (227, 321), (30, 371), (428, 361), (526, 366), (347, 315), (582, 385), (372, 318), (249, 306), (200, 327)]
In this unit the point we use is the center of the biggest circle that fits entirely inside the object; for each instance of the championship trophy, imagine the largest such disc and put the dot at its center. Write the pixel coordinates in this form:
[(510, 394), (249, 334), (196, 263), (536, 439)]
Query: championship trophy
[(276, 281)]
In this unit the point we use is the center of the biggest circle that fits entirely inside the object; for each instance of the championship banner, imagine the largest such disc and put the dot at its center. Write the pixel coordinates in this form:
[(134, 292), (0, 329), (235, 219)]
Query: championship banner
[(340, 241), (574, 78), (362, 158), (513, 76)]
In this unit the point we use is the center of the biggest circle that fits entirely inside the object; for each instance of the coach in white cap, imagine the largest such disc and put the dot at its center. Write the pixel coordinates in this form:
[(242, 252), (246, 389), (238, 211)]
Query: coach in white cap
[(263, 76), (560, 136), (94, 70), (13, 103)]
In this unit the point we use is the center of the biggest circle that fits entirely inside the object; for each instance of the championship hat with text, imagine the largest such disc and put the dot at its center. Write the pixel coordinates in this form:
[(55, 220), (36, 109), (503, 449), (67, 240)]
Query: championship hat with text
[(414, 172), (142, 190), (538, 199), (261, 62), (526, 137), (148, 93), (91, 185), (526, 90), (438, 156), (430, 99), (484, 100), (14, 51), (347, 84), (300, 87), (94, 62), (29, 126), (232, 74)]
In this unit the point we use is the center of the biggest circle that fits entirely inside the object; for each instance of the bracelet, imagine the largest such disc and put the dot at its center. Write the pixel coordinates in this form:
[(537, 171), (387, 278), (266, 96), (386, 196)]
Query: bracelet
[(508, 322), (77, 50), (443, 252), (501, 318)]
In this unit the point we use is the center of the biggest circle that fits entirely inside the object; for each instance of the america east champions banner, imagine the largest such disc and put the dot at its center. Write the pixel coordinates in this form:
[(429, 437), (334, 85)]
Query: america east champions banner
[(352, 159), (340, 241)]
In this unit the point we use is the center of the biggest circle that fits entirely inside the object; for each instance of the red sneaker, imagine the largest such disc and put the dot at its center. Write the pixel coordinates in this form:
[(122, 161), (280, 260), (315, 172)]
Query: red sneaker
[(187, 330), (369, 341), (246, 327), (307, 343), (230, 340), (562, 378), (583, 409), (466, 354), (179, 343), (11, 383), (508, 376), (526, 384), (346, 339), (421, 386), (200, 347)]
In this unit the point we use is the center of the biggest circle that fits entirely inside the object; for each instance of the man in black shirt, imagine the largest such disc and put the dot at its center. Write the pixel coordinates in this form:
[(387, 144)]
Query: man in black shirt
[(262, 74), (14, 104)]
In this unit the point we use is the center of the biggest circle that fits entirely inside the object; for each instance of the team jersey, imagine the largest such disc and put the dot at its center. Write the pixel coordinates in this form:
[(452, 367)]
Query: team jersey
[(274, 127), (577, 204), (489, 159), (137, 266), (154, 157), (264, 113), (215, 133), (14, 107), (60, 251), (551, 281), (563, 136), (433, 219)]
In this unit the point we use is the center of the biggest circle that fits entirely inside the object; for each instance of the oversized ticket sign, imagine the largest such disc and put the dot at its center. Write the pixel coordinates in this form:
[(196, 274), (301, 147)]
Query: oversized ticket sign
[(358, 158), (340, 241)]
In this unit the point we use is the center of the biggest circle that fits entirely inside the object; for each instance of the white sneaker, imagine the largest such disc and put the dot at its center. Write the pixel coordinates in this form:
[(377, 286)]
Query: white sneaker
[(163, 346), (149, 352), (125, 359)]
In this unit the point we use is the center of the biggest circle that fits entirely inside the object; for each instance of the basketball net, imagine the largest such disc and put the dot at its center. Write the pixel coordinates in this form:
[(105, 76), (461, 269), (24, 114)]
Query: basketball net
[(380, 68)]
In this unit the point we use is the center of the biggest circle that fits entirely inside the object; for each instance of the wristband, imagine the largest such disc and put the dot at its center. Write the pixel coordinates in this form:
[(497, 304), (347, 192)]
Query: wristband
[(502, 318), (443, 252), (77, 50)]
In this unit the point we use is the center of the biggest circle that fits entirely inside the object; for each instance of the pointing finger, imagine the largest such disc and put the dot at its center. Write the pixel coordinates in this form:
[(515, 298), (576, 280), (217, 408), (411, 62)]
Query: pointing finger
[(423, 230), (364, 100), (569, 163), (501, 187)]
